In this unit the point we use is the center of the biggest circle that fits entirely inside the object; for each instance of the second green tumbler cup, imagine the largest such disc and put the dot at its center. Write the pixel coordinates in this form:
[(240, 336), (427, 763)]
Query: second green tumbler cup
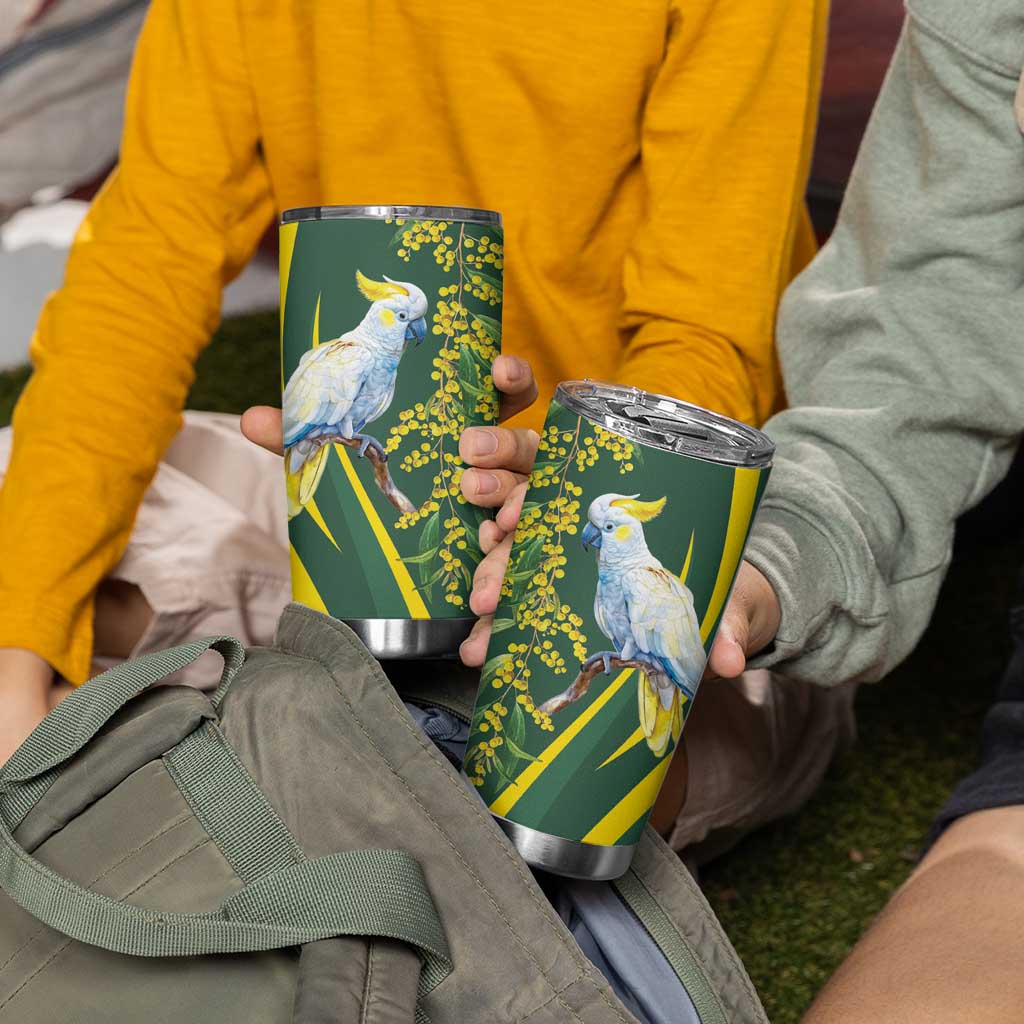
[(390, 321)]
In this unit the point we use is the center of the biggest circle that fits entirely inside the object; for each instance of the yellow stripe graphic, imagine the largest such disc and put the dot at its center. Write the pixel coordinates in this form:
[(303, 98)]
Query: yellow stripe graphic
[(303, 588), (621, 818), (316, 324), (286, 246), (633, 740), (511, 794), (689, 554), (318, 517), (413, 600), (744, 490)]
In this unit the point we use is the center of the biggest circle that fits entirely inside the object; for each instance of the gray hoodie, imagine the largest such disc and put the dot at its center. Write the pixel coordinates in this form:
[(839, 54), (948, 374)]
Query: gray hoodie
[(902, 347)]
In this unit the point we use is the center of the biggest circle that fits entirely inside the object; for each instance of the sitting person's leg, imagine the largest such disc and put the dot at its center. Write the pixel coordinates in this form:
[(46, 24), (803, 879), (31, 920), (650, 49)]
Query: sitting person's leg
[(949, 945), (209, 550)]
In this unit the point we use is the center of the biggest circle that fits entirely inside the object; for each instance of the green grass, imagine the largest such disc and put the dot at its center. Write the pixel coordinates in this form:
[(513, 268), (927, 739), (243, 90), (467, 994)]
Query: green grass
[(795, 896), (11, 384), (240, 367)]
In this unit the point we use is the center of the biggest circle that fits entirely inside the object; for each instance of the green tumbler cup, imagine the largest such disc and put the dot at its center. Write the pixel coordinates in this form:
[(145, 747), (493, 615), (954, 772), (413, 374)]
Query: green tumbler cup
[(390, 322), (632, 531)]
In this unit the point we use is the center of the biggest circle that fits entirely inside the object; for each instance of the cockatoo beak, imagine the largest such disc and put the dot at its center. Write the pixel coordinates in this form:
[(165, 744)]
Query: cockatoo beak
[(417, 330), (591, 537)]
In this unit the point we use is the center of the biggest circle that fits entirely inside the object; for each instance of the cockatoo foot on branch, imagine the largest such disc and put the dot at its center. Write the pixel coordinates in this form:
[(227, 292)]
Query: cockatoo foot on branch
[(366, 441), (601, 658)]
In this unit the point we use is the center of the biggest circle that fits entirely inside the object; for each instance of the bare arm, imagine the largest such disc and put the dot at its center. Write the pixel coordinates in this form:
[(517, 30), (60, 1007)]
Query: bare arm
[(950, 944)]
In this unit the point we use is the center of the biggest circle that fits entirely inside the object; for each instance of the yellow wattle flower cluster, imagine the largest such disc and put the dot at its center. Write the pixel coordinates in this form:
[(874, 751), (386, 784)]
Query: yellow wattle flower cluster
[(432, 234), (479, 759), (622, 451), (483, 251), (434, 428)]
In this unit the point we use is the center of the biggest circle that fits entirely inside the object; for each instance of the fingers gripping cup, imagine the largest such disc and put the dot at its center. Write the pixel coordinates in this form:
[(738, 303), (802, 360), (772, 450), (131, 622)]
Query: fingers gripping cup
[(631, 535), (390, 321)]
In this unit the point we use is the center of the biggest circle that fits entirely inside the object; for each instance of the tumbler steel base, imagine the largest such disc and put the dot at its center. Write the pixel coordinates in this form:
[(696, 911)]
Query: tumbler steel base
[(388, 639), (567, 856)]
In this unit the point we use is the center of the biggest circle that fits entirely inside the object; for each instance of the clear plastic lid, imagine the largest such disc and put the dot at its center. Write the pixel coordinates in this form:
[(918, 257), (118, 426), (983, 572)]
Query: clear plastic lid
[(457, 213), (667, 423)]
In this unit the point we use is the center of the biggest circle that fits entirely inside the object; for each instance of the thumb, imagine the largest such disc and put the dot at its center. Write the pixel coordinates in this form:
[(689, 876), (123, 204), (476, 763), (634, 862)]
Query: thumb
[(262, 425), (728, 656), (749, 623)]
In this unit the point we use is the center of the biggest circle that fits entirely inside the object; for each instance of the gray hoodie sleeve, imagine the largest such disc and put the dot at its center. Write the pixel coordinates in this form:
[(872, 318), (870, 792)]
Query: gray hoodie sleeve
[(902, 347)]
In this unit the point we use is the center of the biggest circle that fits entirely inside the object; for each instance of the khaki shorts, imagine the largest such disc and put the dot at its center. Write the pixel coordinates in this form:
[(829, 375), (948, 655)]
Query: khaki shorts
[(210, 554)]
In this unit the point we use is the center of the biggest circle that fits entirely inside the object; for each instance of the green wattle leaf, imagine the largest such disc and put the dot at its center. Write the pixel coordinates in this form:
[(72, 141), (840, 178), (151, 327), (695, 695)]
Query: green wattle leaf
[(423, 556), (502, 770), (487, 279), (515, 728), (469, 368), (518, 750), (427, 586), (429, 541), (491, 326)]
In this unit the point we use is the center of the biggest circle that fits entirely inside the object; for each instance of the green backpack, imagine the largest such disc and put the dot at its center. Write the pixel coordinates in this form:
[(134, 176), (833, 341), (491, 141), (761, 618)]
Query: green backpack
[(296, 848)]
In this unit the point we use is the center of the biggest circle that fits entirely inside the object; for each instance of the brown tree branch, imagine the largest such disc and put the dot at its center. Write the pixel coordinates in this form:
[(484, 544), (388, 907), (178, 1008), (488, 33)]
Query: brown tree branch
[(381, 472), (581, 683)]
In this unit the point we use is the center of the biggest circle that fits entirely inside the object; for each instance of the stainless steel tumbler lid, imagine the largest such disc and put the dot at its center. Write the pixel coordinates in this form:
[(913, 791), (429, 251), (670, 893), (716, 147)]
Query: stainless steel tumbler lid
[(667, 423), (457, 213)]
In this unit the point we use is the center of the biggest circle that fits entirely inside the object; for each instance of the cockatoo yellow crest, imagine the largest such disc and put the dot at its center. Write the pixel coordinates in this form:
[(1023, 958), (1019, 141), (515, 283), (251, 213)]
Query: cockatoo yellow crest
[(377, 291), (645, 511)]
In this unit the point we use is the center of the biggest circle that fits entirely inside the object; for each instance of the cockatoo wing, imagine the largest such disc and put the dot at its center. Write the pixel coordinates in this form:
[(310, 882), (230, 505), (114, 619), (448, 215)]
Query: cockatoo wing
[(664, 624), (610, 614), (323, 387)]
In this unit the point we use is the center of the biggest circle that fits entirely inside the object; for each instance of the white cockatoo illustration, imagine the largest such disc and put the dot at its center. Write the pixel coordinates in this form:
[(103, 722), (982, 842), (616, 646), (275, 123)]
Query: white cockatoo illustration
[(646, 612), (340, 387)]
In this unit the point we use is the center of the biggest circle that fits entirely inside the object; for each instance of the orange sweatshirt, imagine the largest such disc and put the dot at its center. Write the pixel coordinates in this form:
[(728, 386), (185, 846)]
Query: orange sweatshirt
[(649, 159)]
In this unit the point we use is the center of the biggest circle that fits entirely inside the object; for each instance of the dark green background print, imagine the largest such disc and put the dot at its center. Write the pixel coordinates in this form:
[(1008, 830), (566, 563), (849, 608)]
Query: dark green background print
[(387, 539), (586, 763)]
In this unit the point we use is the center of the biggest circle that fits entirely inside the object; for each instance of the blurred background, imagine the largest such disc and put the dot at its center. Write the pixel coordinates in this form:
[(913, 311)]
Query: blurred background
[(63, 69), (795, 896)]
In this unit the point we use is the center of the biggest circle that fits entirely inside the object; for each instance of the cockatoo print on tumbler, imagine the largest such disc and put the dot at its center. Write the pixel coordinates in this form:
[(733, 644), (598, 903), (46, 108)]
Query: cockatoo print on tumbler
[(646, 611), (344, 385), (390, 321), (631, 534)]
